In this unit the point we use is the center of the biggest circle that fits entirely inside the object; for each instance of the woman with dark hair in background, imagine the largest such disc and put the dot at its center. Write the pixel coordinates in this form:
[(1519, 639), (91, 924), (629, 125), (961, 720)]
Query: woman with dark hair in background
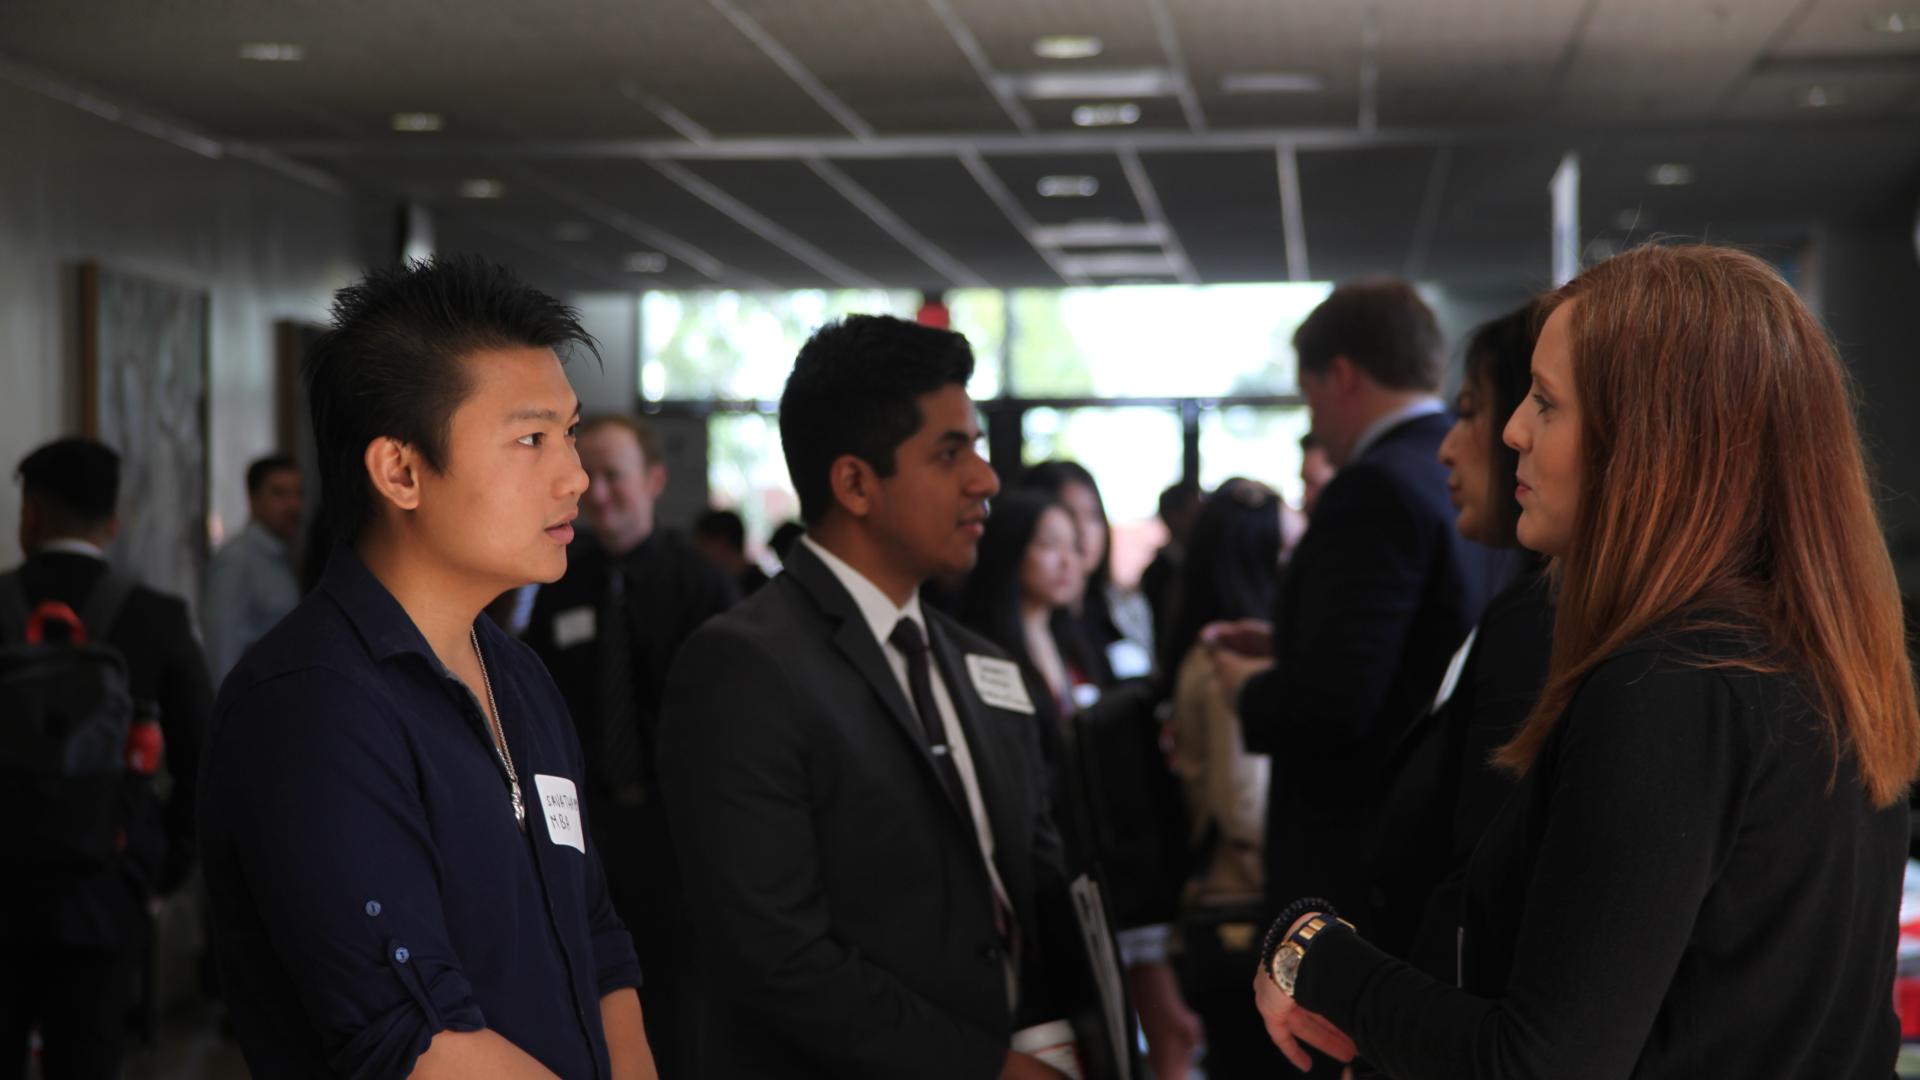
[(1231, 571), (1443, 787), (1031, 566), (1700, 871), (1029, 570), (1116, 622)]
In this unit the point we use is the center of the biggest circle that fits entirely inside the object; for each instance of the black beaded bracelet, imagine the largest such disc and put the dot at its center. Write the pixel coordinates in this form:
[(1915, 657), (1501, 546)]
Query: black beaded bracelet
[(1277, 933)]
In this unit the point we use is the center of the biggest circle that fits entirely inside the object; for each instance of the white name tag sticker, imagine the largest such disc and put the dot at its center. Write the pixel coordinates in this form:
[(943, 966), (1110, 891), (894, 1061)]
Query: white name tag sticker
[(560, 805), (573, 626), (999, 684), (1128, 660)]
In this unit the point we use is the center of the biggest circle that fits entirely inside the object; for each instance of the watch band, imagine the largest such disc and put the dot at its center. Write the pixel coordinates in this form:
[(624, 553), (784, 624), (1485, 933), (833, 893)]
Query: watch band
[(1288, 916), (1284, 967)]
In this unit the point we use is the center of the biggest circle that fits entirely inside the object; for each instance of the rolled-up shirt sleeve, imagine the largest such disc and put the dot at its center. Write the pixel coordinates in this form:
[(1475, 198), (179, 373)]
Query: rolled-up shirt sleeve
[(316, 788)]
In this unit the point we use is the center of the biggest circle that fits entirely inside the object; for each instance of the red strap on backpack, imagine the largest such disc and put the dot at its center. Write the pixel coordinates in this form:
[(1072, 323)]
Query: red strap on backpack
[(55, 611)]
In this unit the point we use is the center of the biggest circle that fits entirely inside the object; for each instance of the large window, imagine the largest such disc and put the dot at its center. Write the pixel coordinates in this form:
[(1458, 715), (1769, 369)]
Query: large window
[(1133, 452), (737, 345), (747, 472), (1157, 340), (1254, 442), (1135, 382)]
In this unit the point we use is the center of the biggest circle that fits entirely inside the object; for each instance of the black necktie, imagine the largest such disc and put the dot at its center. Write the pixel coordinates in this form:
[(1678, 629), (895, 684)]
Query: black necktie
[(620, 764), (906, 637)]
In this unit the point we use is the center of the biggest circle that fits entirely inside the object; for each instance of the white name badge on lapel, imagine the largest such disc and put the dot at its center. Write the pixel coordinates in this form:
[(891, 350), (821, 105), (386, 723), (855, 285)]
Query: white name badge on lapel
[(999, 684), (573, 626), (560, 805)]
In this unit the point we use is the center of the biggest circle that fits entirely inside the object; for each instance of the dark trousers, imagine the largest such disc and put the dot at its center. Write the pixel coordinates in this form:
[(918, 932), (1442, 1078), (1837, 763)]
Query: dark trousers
[(78, 996)]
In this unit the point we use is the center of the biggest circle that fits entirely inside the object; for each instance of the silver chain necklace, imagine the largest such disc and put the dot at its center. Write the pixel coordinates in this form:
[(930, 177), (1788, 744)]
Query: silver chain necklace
[(499, 733)]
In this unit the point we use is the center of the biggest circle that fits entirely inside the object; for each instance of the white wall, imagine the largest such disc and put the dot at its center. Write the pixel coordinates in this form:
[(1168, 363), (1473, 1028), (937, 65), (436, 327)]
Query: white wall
[(78, 188)]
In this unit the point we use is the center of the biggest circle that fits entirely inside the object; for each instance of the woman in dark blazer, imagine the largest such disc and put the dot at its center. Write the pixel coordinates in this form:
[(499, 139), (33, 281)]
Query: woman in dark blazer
[(1017, 595), (1443, 786), (1700, 871), (1030, 569)]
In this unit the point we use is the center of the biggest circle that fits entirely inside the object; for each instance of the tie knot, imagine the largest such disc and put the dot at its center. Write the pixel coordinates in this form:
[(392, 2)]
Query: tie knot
[(906, 637)]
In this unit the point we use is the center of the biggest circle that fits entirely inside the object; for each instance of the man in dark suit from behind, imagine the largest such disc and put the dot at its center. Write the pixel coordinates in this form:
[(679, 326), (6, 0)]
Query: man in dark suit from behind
[(73, 942), (853, 780), (608, 632), (1377, 597)]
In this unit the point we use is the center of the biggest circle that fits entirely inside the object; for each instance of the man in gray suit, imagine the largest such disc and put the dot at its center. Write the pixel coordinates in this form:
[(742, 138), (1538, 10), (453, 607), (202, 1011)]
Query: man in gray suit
[(854, 781)]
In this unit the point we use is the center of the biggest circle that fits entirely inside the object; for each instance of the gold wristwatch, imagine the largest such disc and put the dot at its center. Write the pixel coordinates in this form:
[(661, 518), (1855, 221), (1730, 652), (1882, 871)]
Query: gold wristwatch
[(1284, 966)]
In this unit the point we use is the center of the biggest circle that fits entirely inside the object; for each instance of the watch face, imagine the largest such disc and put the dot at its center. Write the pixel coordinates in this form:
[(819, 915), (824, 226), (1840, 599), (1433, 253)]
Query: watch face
[(1286, 965)]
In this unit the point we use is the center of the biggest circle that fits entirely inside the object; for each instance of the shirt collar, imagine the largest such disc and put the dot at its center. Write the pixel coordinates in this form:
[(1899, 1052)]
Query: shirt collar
[(383, 624), (72, 546), (261, 536), (1427, 406), (875, 606)]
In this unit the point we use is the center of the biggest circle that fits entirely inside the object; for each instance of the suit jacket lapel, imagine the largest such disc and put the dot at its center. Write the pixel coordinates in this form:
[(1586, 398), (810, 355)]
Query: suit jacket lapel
[(854, 638)]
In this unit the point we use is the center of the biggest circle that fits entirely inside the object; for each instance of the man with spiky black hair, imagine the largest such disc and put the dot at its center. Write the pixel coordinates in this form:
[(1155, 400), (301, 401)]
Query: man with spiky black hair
[(399, 866)]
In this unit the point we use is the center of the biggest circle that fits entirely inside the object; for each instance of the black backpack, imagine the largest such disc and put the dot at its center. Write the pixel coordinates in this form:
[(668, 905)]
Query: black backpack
[(65, 714)]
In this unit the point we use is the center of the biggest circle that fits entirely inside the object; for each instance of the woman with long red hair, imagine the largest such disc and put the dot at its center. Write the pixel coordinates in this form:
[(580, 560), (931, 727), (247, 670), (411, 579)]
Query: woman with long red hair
[(1700, 871)]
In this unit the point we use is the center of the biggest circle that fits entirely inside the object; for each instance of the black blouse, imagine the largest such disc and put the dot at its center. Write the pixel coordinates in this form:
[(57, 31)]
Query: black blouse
[(1683, 885)]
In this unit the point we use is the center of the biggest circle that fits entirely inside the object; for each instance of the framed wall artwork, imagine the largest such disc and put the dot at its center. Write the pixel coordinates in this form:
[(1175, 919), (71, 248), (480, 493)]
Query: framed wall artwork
[(144, 379)]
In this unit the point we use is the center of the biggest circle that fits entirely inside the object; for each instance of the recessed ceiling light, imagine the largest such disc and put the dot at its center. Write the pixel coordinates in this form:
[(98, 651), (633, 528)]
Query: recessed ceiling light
[(1106, 115), (1068, 187), (1084, 84), (418, 121), (1119, 264), (1099, 233), (572, 232), (1821, 97), (1895, 22), (1272, 82), (1670, 174), (1068, 47), (272, 52), (644, 262), (482, 189)]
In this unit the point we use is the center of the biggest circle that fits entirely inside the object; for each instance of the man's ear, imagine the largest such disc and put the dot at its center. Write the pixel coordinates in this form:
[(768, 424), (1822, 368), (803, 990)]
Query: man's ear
[(394, 467), (109, 529), (1344, 374), (656, 480), (854, 484)]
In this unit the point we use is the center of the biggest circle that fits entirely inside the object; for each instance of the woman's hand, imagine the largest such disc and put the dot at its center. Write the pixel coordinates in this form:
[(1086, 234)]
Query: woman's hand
[(1289, 1025), (1252, 638)]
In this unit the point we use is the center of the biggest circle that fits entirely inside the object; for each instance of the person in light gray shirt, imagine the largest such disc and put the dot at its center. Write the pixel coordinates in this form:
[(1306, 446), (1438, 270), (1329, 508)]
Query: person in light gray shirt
[(251, 584)]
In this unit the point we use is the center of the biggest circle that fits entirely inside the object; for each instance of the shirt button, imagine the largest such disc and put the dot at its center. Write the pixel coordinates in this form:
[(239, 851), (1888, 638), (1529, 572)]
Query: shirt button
[(990, 953), (373, 907), (401, 955)]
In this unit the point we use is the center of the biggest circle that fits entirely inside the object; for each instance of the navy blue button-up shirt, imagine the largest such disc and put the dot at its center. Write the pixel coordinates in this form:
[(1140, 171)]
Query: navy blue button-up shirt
[(370, 886)]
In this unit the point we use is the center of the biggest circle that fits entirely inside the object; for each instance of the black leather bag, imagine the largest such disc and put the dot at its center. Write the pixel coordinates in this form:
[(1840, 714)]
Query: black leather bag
[(1135, 812)]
